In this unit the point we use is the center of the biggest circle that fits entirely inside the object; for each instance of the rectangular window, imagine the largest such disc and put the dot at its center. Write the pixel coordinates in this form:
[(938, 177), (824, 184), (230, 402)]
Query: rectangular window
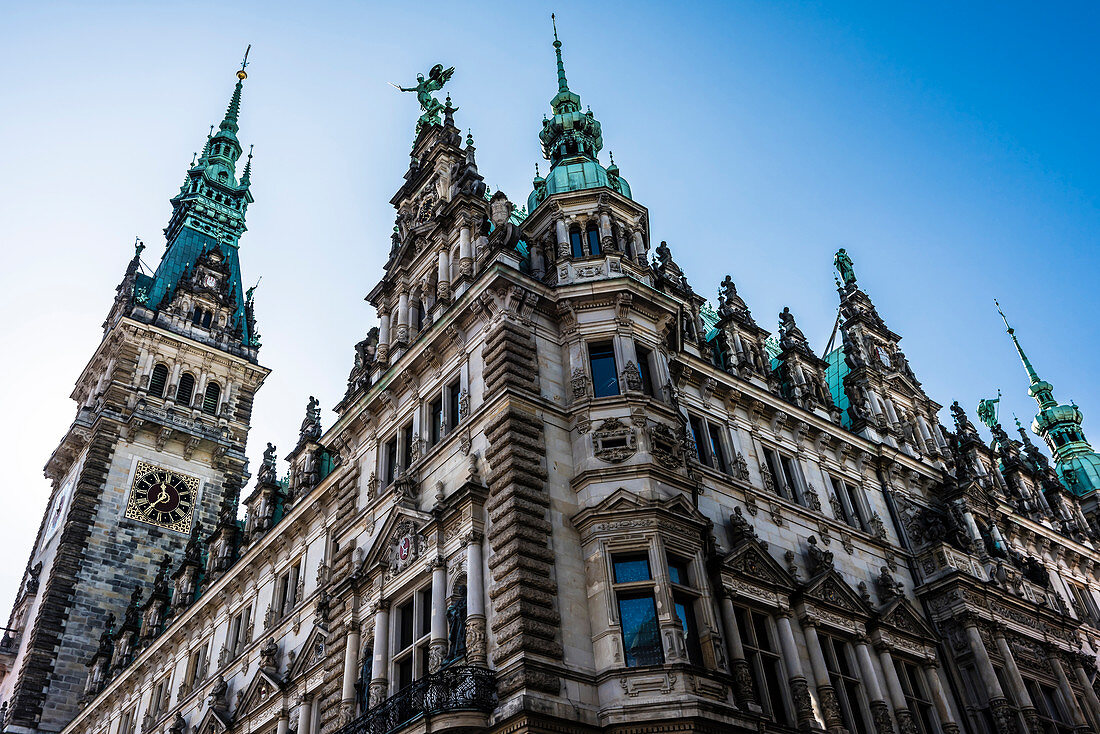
[(286, 590), (637, 608), (605, 378), (685, 612), (1083, 602), (848, 498), (128, 723), (699, 435), (840, 662), (917, 698), (435, 421), (197, 664), (761, 644), (159, 699), (644, 370), (411, 633), (678, 571), (239, 632), (454, 406), (1050, 707), (406, 447), (771, 459), (717, 450), (389, 462), (791, 477)]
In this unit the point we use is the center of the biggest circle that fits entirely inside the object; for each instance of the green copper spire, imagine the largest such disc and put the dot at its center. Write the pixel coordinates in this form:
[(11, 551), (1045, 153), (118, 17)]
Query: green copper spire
[(563, 84), (571, 141), (1077, 465)]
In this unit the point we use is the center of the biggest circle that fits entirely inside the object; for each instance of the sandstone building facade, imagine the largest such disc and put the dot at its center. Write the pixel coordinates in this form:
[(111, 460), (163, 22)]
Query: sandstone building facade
[(561, 493)]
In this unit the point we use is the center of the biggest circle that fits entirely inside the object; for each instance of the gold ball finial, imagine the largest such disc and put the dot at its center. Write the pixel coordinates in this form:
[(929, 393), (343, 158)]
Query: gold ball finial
[(242, 75)]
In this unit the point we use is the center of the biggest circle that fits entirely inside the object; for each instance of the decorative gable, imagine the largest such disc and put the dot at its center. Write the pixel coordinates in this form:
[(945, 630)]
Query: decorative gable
[(625, 510), (263, 689), (399, 542), (214, 722), (830, 590), (901, 617), (750, 562), (310, 656)]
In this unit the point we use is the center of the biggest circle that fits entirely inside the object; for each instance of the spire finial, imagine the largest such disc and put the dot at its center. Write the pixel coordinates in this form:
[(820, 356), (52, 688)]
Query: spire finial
[(1032, 375), (242, 75), (563, 85), (246, 177)]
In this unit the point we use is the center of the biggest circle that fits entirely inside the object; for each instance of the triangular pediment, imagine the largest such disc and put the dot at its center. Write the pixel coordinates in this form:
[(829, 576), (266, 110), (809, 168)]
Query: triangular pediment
[(830, 589), (214, 722), (750, 561), (623, 502), (900, 616), (260, 691), (400, 521), (310, 655)]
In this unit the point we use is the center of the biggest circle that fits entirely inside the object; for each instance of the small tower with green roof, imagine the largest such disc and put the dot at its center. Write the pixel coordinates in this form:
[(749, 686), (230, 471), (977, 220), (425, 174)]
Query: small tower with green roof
[(1077, 465)]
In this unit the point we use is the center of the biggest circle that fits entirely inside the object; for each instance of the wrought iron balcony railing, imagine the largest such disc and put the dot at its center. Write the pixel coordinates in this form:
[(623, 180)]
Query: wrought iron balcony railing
[(457, 688)]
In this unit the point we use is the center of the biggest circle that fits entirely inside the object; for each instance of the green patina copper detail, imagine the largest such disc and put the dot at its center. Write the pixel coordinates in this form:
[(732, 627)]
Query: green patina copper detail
[(208, 213), (1059, 425), (437, 77)]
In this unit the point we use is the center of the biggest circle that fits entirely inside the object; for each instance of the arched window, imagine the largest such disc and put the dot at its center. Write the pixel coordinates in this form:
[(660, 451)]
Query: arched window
[(206, 317), (158, 380), (196, 316), (186, 389), (210, 399), (575, 240), (593, 235)]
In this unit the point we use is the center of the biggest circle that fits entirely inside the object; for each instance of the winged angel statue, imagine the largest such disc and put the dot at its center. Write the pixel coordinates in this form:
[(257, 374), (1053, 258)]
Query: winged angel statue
[(437, 77)]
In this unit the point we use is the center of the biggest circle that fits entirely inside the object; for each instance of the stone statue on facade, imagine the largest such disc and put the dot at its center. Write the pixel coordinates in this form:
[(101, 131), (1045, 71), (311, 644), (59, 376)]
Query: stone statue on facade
[(456, 628), (437, 77), (311, 424), (267, 468), (843, 265), (819, 560)]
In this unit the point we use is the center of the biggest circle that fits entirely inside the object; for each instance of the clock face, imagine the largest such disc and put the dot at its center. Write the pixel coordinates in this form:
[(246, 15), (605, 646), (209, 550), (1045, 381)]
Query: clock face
[(162, 497), (210, 281)]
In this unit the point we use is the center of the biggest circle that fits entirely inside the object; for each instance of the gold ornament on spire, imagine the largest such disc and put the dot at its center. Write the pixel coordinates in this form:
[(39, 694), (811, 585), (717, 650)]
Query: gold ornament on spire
[(242, 74)]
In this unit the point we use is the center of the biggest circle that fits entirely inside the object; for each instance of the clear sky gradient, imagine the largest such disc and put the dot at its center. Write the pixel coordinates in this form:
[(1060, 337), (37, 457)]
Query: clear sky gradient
[(950, 147)]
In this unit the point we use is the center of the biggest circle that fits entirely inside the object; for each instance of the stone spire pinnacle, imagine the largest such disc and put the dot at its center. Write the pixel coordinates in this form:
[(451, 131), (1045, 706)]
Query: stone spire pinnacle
[(1032, 375), (234, 110)]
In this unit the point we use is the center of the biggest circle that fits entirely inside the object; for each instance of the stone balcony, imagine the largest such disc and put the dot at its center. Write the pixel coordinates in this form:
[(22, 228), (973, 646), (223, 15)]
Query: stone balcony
[(455, 689)]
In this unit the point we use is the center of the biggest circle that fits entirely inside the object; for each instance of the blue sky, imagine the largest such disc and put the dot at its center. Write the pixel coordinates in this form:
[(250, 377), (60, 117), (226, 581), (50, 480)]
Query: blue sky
[(949, 147)]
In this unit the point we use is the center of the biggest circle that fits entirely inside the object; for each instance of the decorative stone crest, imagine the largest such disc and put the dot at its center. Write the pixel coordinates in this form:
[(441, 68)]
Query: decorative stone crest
[(406, 544), (614, 441)]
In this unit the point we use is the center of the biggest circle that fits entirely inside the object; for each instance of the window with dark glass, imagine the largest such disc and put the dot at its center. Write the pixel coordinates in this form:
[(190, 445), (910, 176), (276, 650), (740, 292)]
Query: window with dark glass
[(575, 243), (917, 698), (780, 487), (848, 499), (698, 434), (210, 398), (406, 446), (840, 662), (454, 405), (186, 389), (158, 380), (761, 644), (1053, 713), (684, 598), (593, 235), (286, 590), (717, 449), (411, 633), (1083, 603), (605, 378), (644, 371), (435, 421), (637, 608), (389, 461), (238, 639)]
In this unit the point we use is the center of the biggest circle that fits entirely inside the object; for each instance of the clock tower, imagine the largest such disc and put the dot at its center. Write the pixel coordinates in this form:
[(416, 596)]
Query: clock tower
[(157, 448)]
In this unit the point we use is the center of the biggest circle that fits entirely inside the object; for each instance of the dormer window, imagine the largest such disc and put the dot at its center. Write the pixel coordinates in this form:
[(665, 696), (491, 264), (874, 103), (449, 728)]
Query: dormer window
[(201, 317)]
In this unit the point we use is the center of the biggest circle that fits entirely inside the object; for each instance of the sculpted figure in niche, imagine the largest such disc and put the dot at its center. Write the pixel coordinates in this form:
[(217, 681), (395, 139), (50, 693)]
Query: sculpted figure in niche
[(456, 625)]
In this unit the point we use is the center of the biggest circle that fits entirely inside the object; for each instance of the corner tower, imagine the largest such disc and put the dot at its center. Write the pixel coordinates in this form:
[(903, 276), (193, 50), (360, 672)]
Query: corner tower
[(157, 447)]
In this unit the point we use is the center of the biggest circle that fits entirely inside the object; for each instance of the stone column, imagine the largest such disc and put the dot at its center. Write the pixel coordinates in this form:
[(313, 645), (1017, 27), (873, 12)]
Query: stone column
[(538, 262), (1016, 681), (283, 727), (565, 252), (383, 334), (443, 286), (897, 695), (465, 252), (351, 666), (739, 666), (305, 717), (826, 695), (939, 698), (381, 662), (880, 711), (640, 252), (1003, 716), (403, 316), (437, 647), (1083, 678), (800, 692), (606, 243), (1079, 722), (476, 653)]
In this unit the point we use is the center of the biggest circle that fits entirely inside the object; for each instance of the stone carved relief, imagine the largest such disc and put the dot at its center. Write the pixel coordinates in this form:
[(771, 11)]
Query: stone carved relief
[(614, 441)]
